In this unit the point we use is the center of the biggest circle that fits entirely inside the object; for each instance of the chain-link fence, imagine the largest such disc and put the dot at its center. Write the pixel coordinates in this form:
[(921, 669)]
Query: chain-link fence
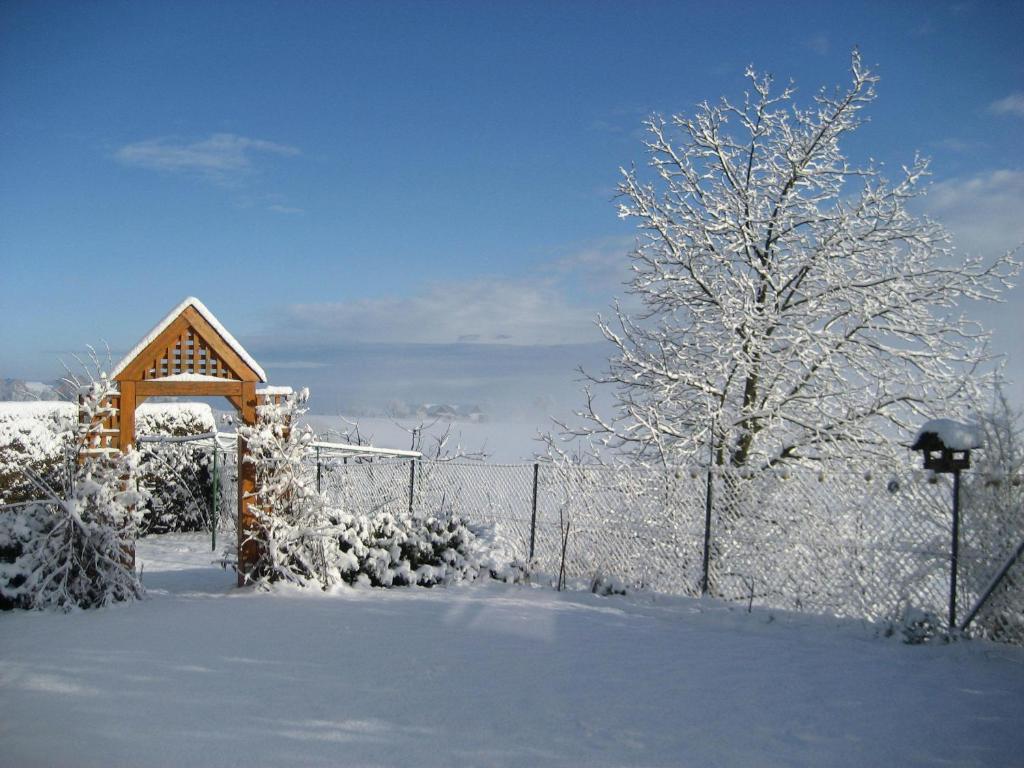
[(862, 544), (865, 544)]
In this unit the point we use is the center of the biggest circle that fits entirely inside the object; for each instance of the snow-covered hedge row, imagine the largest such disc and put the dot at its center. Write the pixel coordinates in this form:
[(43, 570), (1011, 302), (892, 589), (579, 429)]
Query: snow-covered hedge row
[(334, 547), (38, 437), (176, 476)]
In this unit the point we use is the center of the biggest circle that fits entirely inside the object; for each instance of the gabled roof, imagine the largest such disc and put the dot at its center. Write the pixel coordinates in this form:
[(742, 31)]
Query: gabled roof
[(171, 317)]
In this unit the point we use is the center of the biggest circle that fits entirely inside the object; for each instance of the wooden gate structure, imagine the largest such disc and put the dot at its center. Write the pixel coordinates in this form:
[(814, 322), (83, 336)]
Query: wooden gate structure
[(189, 353)]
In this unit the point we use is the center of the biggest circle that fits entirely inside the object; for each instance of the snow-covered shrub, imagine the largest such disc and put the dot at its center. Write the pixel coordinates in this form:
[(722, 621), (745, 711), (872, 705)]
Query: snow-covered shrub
[(289, 521), (34, 437), (176, 475), (918, 627), (510, 569), (299, 539), (606, 584), (387, 550), (72, 549)]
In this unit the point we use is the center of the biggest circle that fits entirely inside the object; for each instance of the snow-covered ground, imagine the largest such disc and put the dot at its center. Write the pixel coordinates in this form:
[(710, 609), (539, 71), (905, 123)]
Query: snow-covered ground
[(488, 674)]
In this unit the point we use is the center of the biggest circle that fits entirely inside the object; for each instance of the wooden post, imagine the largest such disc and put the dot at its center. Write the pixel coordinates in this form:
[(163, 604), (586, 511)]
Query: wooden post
[(126, 437), (247, 550)]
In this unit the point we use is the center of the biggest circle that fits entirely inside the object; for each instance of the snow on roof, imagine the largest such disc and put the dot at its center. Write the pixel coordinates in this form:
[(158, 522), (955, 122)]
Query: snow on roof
[(193, 377), (160, 327), (954, 435), (274, 391)]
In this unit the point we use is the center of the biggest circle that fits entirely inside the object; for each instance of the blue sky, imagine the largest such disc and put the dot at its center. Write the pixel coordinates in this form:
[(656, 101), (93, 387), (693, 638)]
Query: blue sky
[(413, 200)]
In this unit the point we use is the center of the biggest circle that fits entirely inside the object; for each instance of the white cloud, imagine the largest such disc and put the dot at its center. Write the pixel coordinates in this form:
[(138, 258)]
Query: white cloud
[(486, 310), (218, 157), (983, 212), (1010, 105), (818, 43), (599, 267)]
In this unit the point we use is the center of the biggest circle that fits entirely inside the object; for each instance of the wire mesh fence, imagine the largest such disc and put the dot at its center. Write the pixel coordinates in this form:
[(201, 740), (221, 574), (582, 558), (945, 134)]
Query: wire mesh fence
[(861, 544), (866, 544)]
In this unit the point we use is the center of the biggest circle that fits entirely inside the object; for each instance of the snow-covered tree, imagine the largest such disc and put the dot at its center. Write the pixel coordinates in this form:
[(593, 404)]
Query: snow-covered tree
[(286, 508), (792, 306)]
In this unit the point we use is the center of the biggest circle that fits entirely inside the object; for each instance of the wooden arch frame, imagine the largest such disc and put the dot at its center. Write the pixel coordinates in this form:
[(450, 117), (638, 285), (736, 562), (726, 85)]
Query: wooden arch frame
[(189, 353)]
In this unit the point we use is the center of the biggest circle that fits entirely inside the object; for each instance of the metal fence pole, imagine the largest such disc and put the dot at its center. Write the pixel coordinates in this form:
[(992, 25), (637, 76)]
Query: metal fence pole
[(412, 481), (533, 514), (318, 469), (708, 504), (216, 500), (954, 554)]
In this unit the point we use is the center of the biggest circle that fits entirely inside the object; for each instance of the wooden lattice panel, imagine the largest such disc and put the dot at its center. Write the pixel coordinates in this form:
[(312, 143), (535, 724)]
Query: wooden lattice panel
[(188, 352), (101, 435)]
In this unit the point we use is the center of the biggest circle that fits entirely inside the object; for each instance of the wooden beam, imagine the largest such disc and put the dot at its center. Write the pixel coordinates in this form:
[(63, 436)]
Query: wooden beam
[(151, 388)]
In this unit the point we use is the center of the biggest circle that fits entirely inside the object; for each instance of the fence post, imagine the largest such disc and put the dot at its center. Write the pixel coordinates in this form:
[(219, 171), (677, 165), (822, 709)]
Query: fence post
[(954, 555), (533, 514), (216, 499), (318, 469), (412, 481), (708, 503)]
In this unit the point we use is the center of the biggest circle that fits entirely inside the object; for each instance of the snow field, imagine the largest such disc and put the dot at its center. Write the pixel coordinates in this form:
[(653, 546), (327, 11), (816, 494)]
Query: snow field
[(482, 675)]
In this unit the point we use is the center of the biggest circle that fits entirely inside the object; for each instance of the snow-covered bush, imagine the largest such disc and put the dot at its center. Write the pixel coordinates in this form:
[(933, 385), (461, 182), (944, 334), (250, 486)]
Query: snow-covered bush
[(605, 584), (288, 517), (39, 438), (917, 627), (387, 550), (72, 548), (176, 475), (36, 437), (299, 539)]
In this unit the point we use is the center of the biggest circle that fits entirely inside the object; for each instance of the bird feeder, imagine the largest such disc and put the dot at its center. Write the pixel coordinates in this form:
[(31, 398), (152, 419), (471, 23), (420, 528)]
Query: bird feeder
[(946, 446)]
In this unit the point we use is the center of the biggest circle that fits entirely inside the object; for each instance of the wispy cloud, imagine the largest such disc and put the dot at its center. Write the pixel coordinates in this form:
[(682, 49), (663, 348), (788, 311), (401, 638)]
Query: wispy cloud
[(219, 157), (286, 209), (485, 310), (923, 29), (953, 144), (1010, 105), (981, 211), (599, 267), (818, 43)]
